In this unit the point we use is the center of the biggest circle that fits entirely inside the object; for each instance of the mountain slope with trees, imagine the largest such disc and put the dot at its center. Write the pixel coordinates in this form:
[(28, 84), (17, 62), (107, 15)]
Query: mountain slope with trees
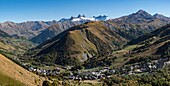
[(79, 43)]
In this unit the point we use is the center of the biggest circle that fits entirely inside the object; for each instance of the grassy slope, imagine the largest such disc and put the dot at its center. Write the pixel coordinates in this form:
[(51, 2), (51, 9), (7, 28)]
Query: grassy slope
[(15, 45), (11, 71), (148, 45), (86, 83), (6, 80), (6, 47)]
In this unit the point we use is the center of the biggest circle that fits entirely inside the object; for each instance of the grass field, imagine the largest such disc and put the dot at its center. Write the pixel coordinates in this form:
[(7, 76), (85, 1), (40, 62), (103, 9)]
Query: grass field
[(8, 81), (86, 83), (12, 72), (6, 47)]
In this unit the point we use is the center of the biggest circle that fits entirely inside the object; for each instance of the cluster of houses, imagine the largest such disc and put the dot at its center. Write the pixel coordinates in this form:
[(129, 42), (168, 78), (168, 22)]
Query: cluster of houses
[(106, 72), (147, 67), (45, 71)]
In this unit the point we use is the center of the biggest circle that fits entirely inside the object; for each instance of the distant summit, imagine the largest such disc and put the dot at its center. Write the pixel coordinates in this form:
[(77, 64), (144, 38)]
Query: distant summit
[(101, 18), (84, 18), (141, 11), (161, 17), (140, 16), (81, 18)]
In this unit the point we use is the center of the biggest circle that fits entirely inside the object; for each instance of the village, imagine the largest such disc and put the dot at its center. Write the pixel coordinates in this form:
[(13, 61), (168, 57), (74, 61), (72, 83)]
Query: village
[(106, 72)]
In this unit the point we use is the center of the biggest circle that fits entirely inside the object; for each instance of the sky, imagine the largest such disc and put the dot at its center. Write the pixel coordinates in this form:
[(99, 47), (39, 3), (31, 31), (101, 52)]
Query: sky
[(47, 10)]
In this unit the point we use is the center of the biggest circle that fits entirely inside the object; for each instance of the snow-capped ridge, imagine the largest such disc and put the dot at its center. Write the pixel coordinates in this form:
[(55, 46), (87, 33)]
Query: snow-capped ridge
[(101, 18), (84, 18)]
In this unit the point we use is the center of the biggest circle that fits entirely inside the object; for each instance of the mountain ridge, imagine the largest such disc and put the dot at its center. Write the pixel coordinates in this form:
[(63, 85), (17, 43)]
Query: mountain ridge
[(140, 16), (154, 43), (36, 31), (83, 41)]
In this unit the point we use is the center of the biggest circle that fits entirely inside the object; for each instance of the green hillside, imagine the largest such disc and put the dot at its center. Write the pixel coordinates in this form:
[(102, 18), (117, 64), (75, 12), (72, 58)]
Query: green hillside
[(8, 81), (12, 74)]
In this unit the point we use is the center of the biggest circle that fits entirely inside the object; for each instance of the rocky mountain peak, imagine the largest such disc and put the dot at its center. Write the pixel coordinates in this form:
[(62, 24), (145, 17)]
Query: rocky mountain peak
[(79, 16), (159, 15), (141, 11), (102, 18), (140, 16), (143, 14)]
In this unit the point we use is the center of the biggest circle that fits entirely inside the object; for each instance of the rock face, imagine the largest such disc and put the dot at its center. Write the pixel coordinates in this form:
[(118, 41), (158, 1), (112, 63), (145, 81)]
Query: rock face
[(79, 43)]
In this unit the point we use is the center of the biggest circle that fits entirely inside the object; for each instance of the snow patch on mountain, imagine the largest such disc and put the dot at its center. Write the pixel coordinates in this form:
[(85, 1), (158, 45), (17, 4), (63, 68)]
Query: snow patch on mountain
[(101, 18), (84, 18)]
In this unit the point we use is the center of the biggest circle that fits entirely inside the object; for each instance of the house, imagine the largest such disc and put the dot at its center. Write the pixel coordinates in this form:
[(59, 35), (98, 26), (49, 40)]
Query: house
[(167, 63), (137, 71)]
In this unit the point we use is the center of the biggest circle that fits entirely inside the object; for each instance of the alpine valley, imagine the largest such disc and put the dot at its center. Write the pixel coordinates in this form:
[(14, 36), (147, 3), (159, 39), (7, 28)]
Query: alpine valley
[(131, 50)]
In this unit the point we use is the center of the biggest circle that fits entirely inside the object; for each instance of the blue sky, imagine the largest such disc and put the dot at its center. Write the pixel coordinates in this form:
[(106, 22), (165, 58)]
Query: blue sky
[(46, 10)]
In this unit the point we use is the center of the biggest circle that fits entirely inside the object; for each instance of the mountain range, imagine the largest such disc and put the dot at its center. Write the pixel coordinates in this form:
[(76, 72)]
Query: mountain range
[(69, 46), (79, 38), (40, 31), (26, 29), (141, 17), (64, 24), (128, 23), (30, 29), (79, 43)]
